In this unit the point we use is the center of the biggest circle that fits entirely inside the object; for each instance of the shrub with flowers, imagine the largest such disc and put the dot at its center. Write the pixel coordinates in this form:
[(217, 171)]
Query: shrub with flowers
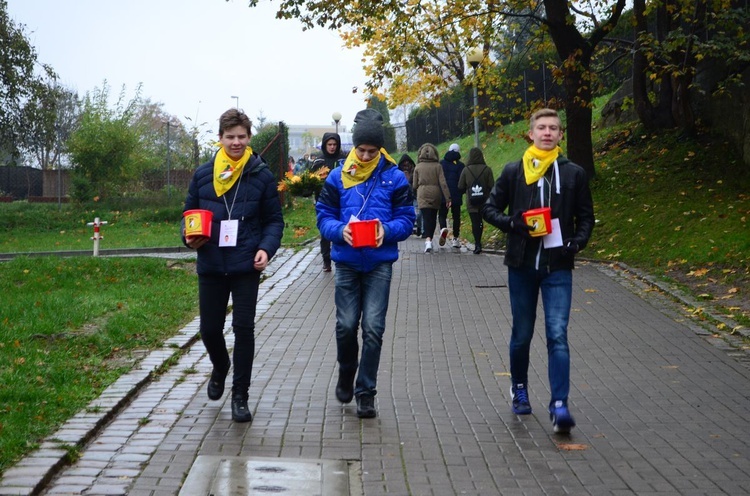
[(305, 183)]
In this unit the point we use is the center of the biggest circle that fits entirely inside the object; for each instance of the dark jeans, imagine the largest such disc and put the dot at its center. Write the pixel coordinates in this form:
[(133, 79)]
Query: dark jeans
[(325, 250), (429, 222), (477, 227), (213, 296), (455, 214), (361, 295)]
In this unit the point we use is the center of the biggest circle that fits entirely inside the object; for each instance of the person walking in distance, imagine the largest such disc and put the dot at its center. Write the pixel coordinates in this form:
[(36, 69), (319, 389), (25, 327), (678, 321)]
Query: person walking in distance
[(542, 178), (330, 149), (476, 181), (406, 165), (239, 189), (430, 187), (368, 186), (452, 168)]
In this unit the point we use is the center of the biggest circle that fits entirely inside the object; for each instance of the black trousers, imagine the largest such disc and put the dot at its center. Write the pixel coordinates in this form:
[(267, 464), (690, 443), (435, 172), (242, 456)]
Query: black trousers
[(213, 296), (455, 214), (429, 220), (477, 227)]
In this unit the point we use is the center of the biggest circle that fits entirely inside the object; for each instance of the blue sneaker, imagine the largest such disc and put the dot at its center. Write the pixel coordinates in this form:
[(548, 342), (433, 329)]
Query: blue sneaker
[(520, 395), (562, 420)]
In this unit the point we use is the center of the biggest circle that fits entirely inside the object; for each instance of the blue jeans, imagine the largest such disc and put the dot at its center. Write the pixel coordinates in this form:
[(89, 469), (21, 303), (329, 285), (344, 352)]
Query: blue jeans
[(361, 295), (556, 288)]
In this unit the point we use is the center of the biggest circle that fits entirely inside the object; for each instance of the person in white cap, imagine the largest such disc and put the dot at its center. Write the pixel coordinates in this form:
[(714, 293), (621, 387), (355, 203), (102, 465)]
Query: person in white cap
[(452, 169)]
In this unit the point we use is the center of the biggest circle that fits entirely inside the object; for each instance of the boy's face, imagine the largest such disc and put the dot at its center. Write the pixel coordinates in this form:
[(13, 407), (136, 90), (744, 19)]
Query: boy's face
[(546, 133), (235, 140), (331, 146), (365, 153)]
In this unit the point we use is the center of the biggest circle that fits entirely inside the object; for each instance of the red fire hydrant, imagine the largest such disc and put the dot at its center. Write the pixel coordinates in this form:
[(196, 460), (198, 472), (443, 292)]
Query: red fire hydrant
[(97, 235)]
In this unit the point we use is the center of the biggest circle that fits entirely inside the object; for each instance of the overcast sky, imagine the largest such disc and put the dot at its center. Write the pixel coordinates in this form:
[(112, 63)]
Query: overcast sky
[(195, 55)]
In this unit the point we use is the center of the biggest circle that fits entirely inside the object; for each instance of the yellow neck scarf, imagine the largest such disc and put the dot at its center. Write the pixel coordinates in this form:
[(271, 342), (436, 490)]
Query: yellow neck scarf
[(227, 170), (536, 162), (355, 172)]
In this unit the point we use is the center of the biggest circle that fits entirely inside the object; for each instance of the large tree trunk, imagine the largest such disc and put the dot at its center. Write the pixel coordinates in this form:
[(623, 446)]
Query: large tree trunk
[(575, 53)]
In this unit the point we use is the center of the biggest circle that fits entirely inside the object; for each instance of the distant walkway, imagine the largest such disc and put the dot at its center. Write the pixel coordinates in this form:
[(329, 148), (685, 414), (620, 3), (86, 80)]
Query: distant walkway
[(662, 407)]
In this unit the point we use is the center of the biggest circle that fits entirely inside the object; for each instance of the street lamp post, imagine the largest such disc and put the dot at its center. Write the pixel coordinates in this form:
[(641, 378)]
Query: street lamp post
[(474, 57), (236, 102), (336, 116)]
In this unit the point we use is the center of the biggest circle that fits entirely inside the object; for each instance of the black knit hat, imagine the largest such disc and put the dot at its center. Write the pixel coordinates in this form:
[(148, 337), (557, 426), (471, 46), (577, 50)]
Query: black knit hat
[(368, 128)]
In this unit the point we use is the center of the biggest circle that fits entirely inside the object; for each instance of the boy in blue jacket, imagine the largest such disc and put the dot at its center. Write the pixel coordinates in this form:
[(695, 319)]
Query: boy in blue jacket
[(368, 186)]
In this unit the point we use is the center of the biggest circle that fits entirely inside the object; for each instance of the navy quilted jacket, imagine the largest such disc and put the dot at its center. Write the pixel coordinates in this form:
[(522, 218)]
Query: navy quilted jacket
[(256, 206)]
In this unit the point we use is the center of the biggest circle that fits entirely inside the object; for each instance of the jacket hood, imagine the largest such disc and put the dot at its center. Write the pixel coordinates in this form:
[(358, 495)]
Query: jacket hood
[(452, 156), (405, 159), (475, 157), (327, 136), (428, 153)]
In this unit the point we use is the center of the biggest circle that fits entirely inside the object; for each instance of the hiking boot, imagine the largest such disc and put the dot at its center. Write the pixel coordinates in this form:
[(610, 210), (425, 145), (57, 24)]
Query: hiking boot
[(456, 243), (562, 420), (240, 411), (345, 387), (366, 406), (428, 246), (443, 236), (520, 395), (216, 383)]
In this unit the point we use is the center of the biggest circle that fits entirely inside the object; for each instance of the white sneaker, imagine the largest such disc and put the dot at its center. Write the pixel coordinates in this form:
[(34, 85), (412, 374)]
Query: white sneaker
[(456, 243), (428, 246), (443, 235)]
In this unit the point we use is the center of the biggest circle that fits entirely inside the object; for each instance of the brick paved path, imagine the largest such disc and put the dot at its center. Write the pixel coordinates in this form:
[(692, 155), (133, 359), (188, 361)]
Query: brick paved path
[(662, 406)]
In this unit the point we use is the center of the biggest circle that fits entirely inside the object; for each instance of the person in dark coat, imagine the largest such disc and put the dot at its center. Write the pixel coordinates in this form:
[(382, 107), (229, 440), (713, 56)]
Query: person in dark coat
[(330, 148), (240, 191), (407, 166), (543, 178), (452, 168), (476, 171)]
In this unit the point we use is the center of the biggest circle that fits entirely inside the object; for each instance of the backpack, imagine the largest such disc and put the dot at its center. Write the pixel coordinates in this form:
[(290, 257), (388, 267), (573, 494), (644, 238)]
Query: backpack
[(476, 191)]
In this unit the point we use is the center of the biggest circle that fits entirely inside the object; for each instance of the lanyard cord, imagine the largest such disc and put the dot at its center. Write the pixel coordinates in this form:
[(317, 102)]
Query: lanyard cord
[(229, 209), (364, 199)]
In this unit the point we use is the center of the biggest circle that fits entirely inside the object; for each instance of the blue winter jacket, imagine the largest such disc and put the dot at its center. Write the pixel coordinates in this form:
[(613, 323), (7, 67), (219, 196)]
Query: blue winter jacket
[(256, 206), (386, 196)]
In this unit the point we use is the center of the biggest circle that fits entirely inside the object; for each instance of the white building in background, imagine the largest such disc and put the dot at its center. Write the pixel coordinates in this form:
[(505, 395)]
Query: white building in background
[(305, 139)]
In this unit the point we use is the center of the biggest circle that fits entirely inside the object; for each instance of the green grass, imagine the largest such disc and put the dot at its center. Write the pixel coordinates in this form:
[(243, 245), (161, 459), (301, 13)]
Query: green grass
[(70, 327), (31, 227)]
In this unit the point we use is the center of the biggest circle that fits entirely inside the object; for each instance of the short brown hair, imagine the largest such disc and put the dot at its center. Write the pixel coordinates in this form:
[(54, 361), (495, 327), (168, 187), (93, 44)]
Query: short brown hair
[(232, 118), (545, 112)]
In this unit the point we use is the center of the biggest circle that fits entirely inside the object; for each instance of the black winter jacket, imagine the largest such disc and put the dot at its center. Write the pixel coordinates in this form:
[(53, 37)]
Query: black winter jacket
[(256, 206), (573, 206)]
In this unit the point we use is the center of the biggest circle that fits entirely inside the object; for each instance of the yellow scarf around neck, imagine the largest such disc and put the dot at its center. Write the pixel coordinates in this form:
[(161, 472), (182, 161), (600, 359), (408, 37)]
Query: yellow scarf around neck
[(355, 172), (227, 170), (536, 162)]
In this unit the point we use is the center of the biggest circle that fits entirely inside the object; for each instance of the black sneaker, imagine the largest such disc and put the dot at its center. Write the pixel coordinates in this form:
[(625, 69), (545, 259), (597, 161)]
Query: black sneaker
[(345, 386), (240, 410), (366, 406), (520, 395), (216, 383)]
